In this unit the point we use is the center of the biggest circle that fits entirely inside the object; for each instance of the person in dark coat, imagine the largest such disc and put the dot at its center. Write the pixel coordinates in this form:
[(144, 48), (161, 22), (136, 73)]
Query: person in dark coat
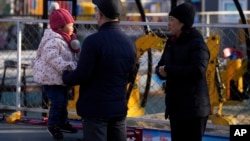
[(106, 65), (183, 65)]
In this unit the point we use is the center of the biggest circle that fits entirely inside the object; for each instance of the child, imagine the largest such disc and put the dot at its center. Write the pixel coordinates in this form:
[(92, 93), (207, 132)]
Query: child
[(55, 54)]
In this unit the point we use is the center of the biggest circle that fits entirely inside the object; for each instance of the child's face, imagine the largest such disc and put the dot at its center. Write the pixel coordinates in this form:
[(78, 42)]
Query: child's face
[(69, 28)]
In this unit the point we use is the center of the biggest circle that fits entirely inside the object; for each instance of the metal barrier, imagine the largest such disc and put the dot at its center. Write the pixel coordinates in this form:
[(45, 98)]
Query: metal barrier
[(22, 49)]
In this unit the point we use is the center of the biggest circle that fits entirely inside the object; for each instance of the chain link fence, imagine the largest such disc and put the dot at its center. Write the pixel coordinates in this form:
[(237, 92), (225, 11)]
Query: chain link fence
[(19, 40)]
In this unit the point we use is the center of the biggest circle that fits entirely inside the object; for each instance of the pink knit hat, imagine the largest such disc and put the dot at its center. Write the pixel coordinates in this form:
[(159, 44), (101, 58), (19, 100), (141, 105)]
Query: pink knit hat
[(59, 17)]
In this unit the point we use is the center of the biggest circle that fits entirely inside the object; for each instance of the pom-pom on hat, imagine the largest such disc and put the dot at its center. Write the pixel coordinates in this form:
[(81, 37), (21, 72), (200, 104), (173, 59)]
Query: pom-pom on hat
[(185, 14), (59, 17), (110, 8)]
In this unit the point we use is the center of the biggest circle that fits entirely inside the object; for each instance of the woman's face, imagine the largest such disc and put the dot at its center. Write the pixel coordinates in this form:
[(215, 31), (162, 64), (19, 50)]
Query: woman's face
[(69, 28), (174, 26)]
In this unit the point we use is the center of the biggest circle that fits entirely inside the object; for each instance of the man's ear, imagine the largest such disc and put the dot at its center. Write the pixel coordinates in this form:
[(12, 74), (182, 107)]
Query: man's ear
[(101, 15)]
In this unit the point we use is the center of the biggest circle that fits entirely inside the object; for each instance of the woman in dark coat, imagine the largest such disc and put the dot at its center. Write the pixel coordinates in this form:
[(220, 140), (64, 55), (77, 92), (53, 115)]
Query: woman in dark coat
[(183, 65)]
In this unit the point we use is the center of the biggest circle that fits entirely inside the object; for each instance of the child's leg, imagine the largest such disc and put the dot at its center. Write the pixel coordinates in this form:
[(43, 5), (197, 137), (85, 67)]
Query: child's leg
[(58, 104), (65, 126), (64, 110), (56, 95)]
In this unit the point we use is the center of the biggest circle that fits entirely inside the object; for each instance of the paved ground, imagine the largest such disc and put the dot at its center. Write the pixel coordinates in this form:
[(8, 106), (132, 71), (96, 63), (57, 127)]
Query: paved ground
[(26, 132)]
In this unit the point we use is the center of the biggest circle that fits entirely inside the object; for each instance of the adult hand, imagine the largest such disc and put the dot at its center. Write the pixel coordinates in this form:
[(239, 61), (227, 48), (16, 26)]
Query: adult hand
[(162, 71), (166, 113), (166, 116)]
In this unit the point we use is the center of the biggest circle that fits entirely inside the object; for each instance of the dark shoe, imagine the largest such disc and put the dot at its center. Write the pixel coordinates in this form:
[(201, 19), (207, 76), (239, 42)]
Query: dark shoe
[(55, 132), (67, 127)]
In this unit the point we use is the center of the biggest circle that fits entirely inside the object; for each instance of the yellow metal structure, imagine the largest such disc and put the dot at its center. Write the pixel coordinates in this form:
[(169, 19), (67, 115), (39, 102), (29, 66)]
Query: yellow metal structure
[(88, 13), (234, 70), (134, 108), (36, 8), (143, 43), (148, 41), (14, 117), (213, 45), (72, 104)]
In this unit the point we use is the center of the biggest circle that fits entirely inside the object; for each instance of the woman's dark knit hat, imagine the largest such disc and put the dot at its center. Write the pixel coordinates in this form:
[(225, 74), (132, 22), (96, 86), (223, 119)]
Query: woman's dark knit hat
[(110, 8), (185, 13)]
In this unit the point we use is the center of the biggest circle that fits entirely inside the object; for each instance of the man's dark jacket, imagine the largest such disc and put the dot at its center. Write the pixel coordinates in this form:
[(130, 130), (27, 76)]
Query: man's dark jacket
[(105, 66), (186, 60)]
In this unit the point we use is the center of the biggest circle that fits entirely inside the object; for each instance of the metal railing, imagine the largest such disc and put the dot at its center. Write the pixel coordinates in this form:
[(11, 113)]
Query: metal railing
[(22, 49)]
